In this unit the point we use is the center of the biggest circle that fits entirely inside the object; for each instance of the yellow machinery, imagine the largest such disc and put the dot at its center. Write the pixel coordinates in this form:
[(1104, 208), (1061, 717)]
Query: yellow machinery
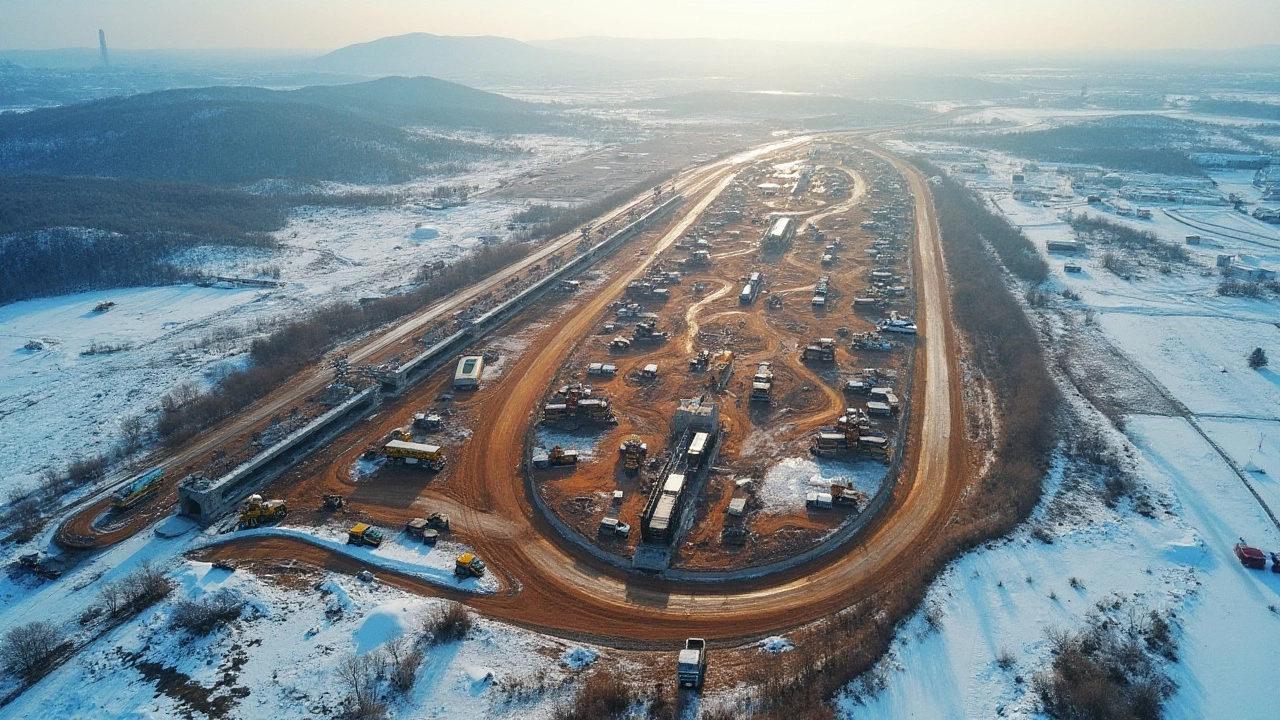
[(256, 511), (468, 565), (412, 453), (364, 534)]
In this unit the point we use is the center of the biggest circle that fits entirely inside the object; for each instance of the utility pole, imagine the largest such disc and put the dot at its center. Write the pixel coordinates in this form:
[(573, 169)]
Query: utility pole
[(102, 43)]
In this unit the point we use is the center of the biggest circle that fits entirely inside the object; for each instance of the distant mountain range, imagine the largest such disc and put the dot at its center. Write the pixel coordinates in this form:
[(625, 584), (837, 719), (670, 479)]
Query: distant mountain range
[(347, 133), (467, 58), (815, 110)]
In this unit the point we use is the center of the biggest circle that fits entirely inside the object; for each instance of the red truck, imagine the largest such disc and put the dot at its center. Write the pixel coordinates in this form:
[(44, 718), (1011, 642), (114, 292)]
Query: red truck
[(1250, 557)]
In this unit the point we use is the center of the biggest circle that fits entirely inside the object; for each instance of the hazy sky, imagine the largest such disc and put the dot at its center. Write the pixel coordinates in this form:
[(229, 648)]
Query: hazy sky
[(323, 24)]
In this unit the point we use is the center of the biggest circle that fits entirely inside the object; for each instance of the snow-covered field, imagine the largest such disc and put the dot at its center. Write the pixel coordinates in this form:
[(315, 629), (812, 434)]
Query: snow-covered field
[(167, 335), (282, 659), (982, 635)]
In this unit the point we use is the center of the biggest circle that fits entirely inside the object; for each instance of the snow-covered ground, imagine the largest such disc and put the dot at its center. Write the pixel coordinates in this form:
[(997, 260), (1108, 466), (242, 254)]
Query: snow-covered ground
[(787, 482), (167, 335), (282, 658), (972, 650)]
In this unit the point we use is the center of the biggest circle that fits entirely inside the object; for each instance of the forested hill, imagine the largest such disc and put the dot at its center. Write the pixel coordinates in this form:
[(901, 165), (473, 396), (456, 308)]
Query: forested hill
[(364, 133)]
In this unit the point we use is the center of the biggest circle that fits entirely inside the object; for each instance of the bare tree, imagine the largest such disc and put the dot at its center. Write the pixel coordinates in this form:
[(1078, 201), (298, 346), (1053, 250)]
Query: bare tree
[(403, 659), (358, 676), (28, 649), (133, 428)]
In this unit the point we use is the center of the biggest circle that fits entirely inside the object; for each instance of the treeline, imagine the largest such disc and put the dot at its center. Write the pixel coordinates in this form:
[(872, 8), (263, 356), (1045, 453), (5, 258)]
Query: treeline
[(61, 235), (56, 262), (545, 221), (1102, 230), (129, 207), (1010, 243), (278, 356), (1141, 143), (1005, 348)]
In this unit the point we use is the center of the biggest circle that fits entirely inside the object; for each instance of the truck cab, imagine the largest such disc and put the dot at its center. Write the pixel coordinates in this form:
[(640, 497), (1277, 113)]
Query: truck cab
[(691, 669)]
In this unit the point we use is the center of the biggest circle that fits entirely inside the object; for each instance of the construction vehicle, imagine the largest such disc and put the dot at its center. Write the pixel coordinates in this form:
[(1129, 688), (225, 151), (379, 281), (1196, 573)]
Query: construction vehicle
[(412, 453), (364, 534), (468, 565), (1250, 557), (428, 422), (256, 511), (633, 452), (332, 503), (556, 457), (691, 667), (762, 383), (619, 343), (751, 289), (647, 330), (701, 362), (721, 369), (1275, 562), (31, 561), (822, 350), (138, 488)]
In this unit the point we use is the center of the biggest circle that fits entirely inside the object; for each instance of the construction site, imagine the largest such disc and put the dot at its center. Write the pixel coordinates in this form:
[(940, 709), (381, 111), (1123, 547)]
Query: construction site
[(599, 426), (738, 346)]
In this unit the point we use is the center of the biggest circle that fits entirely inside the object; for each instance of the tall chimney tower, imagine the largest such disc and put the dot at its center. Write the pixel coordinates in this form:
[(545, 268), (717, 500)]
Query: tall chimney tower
[(102, 43)]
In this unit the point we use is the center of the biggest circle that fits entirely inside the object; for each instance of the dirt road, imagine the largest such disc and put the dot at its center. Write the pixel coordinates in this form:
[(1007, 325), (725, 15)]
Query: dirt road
[(555, 588)]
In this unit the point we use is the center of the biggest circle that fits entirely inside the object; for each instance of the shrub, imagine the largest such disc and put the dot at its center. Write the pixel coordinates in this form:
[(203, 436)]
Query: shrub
[(203, 616), (403, 660), (604, 696), (449, 623), (1258, 358), (1239, 288), (135, 592), (1107, 669), (29, 650), (358, 676)]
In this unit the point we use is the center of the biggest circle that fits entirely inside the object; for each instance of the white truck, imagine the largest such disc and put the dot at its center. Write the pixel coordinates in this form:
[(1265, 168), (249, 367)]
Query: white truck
[(691, 669)]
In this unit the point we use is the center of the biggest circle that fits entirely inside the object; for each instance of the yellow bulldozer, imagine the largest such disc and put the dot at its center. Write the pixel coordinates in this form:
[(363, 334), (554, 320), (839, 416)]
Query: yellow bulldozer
[(256, 511)]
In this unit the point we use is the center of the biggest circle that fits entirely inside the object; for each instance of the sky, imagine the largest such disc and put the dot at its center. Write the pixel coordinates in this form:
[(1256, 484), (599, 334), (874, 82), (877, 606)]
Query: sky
[(328, 24)]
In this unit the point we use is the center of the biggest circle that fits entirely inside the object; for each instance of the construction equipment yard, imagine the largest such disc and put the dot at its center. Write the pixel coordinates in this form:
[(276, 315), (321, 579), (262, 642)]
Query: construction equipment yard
[(778, 366)]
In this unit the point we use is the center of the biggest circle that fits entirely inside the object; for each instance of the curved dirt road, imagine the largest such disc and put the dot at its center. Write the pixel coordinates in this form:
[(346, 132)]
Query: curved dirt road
[(553, 588)]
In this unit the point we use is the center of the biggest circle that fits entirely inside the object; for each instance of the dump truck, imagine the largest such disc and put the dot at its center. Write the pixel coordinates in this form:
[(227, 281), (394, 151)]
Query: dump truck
[(332, 503), (468, 565), (1250, 557), (691, 668), (364, 534), (438, 521), (138, 488), (556, 457), (412, 453), (256, 511)]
